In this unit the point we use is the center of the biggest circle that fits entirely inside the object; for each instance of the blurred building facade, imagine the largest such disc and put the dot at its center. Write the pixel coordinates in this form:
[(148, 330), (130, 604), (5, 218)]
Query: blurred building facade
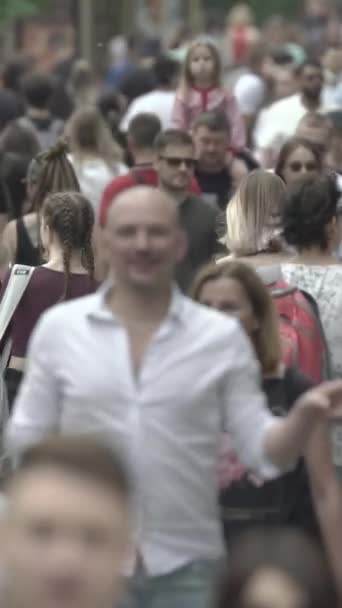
[(67, 27)]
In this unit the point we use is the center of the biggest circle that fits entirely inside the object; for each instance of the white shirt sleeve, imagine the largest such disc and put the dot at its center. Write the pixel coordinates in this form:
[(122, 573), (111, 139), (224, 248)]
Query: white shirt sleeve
[(128, 116), (37, 407), (250, 93), (246, 415)]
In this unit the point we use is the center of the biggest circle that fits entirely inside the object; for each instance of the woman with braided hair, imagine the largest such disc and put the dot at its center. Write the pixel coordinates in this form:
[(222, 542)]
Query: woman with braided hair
[(66, 226), (49, 172)]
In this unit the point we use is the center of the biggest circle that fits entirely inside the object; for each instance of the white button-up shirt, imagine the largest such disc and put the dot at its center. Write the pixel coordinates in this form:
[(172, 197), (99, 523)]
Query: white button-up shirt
[(199, 376)]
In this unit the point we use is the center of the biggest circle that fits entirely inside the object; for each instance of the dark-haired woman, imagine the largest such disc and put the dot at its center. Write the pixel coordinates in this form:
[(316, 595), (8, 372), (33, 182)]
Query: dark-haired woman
[(299, 158), (66, 225), (49, 172), (310, 226)]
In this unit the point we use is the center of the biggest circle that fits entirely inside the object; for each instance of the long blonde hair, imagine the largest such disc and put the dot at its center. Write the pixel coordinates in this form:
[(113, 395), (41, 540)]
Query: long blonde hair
[(266, 338), (251, 214), (88, 134), (187, 81)]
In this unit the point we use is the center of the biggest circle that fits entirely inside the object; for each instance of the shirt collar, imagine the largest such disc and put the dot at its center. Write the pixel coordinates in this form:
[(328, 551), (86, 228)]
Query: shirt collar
[(101, 312)]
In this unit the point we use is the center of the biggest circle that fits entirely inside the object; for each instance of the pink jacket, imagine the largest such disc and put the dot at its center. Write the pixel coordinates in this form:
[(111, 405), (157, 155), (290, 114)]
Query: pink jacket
[(187, 108)]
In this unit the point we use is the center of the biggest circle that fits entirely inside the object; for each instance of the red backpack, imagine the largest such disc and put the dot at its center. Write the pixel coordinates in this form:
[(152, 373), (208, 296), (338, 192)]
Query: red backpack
[(302, 335)]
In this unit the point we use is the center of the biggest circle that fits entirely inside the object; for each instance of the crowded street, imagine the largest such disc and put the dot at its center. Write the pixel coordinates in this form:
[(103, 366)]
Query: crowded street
[(171, 304)]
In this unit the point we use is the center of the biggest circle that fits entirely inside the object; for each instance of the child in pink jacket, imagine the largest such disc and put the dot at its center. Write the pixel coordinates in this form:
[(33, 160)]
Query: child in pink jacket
[(201, 90)]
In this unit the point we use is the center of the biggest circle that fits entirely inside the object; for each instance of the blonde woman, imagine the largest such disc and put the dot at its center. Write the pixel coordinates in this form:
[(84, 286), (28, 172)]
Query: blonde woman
[(251, 220), (94, 154)]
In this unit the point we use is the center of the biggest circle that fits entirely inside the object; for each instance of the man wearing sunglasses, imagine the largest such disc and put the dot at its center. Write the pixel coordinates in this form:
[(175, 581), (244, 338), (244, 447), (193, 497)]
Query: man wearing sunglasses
[(175, 165)]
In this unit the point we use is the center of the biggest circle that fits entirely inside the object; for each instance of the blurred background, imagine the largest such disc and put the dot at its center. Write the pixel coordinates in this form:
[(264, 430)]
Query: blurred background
[(53, 31)]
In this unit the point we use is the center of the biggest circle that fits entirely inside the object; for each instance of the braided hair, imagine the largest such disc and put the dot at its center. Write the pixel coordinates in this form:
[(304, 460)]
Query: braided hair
[(51, 171), (70, 216)]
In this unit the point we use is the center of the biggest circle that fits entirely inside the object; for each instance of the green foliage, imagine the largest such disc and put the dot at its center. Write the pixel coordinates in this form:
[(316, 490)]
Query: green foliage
[(11, 9), (262, 8)]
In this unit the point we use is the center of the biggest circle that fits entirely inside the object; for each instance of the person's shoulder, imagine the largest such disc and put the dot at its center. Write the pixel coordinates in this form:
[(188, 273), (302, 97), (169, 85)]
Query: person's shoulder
[(70, 314), (119, 183), (199, 204), (211, 324), (248, 81), (285, 104)]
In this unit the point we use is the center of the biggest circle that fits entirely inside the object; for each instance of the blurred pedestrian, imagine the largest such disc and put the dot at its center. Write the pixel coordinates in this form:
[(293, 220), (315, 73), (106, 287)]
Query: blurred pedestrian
[(66, 230), (65, 526), (95, 156), (49, 172), (201, 90), (122, 368), (38, 90)]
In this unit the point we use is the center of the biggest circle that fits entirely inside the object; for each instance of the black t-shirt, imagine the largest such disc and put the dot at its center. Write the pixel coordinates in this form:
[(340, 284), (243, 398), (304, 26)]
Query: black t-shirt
[(216, 187), (200, 222), (5, 203), (248, 501)]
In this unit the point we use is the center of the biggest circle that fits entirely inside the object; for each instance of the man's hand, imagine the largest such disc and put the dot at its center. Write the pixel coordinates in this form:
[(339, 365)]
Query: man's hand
[(286, 441), (323, 400)]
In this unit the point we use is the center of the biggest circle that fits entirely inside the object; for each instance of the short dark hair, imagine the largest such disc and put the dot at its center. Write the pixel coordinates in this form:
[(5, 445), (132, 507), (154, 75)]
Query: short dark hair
[(38, 90), (13, 72), (309, 205), (19, 139), (78, 455), (165, 70), (214, 121), (143, 130), (172, 137), (281, 56)]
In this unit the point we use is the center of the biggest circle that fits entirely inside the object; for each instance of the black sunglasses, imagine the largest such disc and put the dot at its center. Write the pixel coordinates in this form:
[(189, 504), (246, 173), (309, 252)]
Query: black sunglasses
[(174, 161), (297, 166)]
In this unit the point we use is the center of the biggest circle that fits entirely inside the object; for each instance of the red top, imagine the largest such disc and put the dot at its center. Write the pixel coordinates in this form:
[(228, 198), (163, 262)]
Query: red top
[(45, 289), (143, 175)]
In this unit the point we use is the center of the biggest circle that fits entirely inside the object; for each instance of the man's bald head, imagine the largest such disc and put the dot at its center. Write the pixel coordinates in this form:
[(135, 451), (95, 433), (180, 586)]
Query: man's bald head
[(144, 197), (144, 240)]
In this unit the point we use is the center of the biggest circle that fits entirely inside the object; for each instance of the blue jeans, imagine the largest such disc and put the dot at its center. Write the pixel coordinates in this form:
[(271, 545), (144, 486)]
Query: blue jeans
[(189, 587)]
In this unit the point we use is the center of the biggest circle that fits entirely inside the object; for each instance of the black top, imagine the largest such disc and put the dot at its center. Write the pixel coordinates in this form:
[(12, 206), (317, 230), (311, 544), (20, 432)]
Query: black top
[(5, 205), (216, 187), (26, 252), (199, 220), (248, 502)]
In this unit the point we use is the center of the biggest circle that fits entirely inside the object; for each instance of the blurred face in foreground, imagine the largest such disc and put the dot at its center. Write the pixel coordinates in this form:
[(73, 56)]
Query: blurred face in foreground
[(65, 542)]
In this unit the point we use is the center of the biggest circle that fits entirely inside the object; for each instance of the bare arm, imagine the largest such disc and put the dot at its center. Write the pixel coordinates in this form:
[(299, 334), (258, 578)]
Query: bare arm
[(288, 439), (327, 496)]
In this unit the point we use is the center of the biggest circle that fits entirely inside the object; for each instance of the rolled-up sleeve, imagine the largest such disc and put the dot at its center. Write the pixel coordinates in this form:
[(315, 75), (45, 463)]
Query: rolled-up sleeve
[(37, 407), (246, 415)]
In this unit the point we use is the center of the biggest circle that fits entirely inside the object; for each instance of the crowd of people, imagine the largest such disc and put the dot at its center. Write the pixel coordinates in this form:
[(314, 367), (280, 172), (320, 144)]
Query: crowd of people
[(170, 300)]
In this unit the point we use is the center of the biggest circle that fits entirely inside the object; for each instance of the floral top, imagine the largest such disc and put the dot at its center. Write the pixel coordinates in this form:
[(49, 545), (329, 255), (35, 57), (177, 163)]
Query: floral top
[(324, 283)]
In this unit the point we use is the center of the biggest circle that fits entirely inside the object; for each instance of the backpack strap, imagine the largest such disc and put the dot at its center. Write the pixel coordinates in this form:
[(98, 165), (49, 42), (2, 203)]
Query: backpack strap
[(327, 372), (17, 284)]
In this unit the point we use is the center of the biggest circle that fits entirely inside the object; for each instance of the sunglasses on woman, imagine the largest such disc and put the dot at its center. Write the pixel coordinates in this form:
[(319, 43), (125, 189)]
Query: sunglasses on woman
[(297, 166)]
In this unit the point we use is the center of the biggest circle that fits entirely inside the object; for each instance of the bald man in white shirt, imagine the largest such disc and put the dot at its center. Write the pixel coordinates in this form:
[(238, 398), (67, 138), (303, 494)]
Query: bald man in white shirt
[(144, 367)]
